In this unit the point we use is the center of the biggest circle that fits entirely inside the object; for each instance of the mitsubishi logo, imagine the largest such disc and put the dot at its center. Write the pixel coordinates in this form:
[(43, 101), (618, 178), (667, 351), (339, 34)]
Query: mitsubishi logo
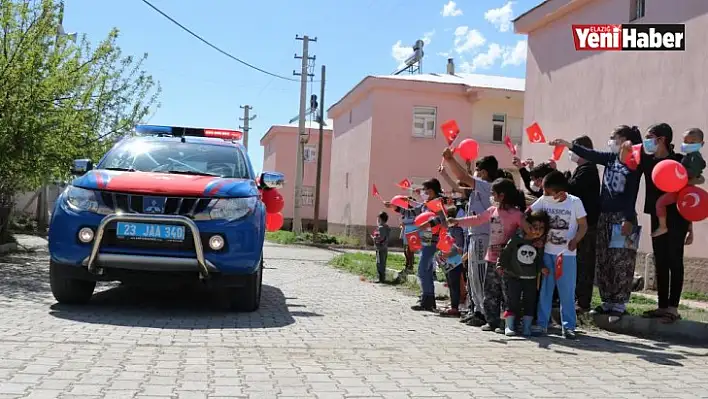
[(154, 205)]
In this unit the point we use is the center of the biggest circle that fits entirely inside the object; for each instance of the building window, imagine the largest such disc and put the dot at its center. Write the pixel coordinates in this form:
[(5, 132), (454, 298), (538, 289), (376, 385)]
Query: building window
[(307, 196), (636, 10), (350, 116), (498, 127), (346, 180), (310, 153), (424, 122)]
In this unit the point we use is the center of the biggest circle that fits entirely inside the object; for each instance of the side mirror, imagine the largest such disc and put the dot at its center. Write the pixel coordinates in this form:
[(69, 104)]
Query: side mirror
[(81, 166), (272, 180)]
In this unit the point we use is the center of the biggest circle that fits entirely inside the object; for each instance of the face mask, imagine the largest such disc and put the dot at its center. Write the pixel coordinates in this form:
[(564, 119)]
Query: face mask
[(649, 146), (424, 196), (613, 146), (693, 147), (534, 187), (573, 157)]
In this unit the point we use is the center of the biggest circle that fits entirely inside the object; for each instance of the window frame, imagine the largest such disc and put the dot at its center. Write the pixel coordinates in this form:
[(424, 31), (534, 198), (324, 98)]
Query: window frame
[(502, 124), (426, 118), (637, 10)]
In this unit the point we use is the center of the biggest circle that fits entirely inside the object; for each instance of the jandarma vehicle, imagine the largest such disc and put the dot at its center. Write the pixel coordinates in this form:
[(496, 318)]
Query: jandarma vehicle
[(171, 204)]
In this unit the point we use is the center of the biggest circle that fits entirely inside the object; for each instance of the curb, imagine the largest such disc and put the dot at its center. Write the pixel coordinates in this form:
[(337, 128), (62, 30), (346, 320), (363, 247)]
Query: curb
[(681, 330)]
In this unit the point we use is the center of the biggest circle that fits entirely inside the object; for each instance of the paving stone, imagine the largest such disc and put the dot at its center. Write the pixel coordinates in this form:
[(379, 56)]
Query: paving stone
[(320, 333)]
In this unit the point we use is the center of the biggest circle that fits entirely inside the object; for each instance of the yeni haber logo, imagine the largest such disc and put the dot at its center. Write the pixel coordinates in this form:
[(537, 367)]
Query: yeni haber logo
[(630, 37)]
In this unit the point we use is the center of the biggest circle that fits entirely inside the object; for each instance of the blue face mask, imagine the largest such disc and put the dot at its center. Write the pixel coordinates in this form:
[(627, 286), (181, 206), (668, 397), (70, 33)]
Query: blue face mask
[(649, 146), (692, 147)]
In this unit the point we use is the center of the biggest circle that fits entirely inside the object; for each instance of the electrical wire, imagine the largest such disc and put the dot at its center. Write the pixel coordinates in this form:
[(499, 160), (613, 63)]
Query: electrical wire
[(275, 75)]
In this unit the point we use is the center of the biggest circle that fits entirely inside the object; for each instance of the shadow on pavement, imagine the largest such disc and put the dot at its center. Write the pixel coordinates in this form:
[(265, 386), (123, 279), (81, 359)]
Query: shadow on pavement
[(653, 353), (190, 307)]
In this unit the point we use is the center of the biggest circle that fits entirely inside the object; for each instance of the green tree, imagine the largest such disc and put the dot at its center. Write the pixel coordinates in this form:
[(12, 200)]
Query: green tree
[(60, 99)]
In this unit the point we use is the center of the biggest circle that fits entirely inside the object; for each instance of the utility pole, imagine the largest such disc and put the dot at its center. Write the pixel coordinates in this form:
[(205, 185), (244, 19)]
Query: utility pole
[(246, 119), (318, 181), (304, 74)]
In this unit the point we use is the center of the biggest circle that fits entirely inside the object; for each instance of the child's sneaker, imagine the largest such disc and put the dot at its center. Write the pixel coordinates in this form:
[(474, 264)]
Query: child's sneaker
[(538, 330), (569, 334), (477, 320), (509, 327), (489, 327)]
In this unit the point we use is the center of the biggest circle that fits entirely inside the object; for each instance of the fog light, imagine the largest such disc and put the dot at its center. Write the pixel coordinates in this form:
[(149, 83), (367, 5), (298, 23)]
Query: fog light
[(216, 242), (86, 235)]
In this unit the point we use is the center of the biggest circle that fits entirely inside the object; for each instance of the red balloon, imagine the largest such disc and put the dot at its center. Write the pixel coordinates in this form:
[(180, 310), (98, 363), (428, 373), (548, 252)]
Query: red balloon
[(400, 201), (274, 221), (273, 200), (669, 176), (468, 149), (423, 217), (692, 203)]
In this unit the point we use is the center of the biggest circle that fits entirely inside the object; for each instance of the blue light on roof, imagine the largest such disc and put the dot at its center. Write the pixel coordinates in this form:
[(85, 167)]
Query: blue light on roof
[(153, 129)]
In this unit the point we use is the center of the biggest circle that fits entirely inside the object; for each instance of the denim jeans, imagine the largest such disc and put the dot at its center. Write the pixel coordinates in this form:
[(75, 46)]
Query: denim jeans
[(566, 292), (426, 270)]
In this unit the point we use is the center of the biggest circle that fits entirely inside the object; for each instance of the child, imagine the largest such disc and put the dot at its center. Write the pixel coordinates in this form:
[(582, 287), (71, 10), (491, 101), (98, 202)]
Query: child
[(694, 164), (504, 218), (380, 237), (519, 265), (452, 264), (567, 226)]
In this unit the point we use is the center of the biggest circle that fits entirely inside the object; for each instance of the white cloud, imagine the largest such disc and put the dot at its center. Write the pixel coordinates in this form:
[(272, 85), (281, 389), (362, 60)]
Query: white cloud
[(501, 17), (450, 10), (515, 55), (401, 52), (467, 39), (508, 55)]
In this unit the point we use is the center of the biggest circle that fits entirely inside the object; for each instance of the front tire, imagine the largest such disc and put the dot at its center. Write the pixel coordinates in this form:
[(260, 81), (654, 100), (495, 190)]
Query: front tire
[(248, 297), (67, 290)]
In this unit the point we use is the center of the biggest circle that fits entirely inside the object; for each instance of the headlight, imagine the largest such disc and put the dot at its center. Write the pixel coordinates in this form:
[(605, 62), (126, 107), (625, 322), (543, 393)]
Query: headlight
[(81, 200), (233, 208)]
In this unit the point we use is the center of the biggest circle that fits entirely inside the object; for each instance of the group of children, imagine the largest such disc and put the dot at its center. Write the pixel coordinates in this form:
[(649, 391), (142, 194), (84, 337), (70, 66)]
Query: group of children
[(509, 260)]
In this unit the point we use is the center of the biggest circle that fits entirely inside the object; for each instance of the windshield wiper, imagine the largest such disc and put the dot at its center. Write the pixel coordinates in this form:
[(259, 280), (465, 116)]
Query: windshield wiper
[(121, 169), (191, 172)]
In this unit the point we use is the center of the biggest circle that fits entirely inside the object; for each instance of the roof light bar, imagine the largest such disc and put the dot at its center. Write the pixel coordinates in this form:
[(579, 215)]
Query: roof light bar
[(177, 131)]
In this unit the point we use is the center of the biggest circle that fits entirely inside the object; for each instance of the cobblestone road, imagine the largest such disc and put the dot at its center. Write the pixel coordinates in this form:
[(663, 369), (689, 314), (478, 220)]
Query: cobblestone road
[(319, 333)]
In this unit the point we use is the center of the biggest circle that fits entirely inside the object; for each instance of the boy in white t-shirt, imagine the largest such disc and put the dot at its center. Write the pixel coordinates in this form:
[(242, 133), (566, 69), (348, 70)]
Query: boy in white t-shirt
[(568, 225)]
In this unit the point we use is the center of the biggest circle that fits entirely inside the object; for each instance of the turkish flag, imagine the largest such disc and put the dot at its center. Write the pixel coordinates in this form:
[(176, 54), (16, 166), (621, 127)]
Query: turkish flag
[(404, 184), (414, 241), (450, 130), (557, 152), (559, 267), (634, 157), (445, 243), (510, 145), (435, 205), (535, 133), (375, 192)]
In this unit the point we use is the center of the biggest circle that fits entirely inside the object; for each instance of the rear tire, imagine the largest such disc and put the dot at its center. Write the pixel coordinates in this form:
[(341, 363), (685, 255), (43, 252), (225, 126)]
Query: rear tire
[(67, 290), (248, 297)]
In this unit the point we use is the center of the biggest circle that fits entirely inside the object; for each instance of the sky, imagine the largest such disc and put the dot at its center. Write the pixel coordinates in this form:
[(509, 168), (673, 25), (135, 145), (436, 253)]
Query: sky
[(355, 38)]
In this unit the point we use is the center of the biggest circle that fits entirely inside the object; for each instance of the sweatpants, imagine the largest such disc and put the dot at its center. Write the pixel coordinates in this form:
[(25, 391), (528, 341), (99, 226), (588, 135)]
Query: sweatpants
[(566, 292), (520, 296), (476, 269), (381, 257), (494, 303)]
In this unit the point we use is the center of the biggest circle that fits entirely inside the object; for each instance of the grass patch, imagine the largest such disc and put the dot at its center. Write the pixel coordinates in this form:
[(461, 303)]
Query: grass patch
[(306, 238), (364, 264), (695, 296)]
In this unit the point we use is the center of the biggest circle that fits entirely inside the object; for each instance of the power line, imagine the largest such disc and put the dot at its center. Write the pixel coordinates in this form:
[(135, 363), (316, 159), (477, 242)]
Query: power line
[(275, 75)]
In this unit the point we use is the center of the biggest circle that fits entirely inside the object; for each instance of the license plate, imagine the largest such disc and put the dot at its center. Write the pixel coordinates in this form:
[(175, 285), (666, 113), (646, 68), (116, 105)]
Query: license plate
[(145, 231)]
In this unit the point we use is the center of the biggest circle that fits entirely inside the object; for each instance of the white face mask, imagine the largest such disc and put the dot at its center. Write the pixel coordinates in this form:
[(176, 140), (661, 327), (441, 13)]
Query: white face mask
[(573, 157), (424, 196), (534, 187), (613, 146)]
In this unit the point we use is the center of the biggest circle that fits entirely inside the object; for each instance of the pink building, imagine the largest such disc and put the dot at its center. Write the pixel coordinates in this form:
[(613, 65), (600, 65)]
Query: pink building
[(387, 128), (279, 154), (571, 93)]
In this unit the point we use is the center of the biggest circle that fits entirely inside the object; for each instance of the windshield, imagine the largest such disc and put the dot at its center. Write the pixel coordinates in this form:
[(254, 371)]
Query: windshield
[(177, 157)]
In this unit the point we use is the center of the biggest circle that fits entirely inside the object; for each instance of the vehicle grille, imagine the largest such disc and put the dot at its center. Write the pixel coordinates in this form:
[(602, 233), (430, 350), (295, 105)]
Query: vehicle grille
[(133, 203)]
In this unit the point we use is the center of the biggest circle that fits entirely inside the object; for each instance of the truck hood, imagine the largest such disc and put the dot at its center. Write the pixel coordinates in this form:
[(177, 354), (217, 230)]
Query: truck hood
[(166, 184)]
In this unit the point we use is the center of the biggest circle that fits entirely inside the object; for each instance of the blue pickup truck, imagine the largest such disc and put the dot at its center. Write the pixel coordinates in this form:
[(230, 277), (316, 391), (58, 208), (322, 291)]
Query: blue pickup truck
[(170, 204)]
